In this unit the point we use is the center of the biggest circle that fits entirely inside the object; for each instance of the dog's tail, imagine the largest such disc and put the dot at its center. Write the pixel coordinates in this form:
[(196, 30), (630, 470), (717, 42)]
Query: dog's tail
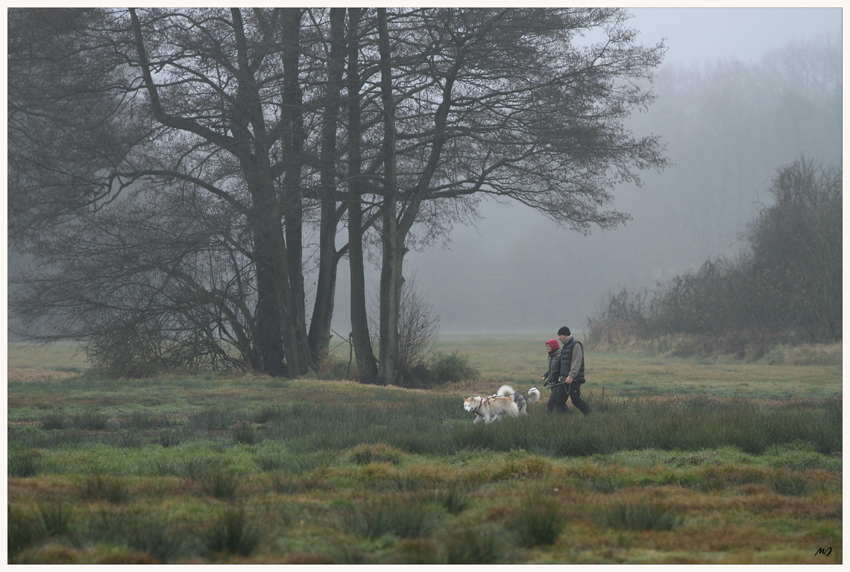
[(533, 395), (506, 391)]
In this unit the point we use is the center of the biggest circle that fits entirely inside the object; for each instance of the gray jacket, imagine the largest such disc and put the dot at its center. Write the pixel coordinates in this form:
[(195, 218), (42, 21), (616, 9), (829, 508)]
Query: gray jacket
[(575, 364)]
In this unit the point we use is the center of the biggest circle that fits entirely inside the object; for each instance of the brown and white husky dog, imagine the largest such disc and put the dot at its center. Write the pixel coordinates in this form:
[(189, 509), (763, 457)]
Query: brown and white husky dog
[(506, 403)]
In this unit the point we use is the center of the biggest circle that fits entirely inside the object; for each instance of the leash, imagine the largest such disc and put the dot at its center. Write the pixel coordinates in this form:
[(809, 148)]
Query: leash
[(551, 385)]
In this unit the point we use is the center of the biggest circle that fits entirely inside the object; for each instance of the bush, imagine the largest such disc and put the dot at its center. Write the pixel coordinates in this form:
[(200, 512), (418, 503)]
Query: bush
[(440, 369), (334, 368), (452, 368)]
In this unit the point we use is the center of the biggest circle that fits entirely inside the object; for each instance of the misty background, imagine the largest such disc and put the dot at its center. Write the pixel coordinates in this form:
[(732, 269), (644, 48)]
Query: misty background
[(741, 93)]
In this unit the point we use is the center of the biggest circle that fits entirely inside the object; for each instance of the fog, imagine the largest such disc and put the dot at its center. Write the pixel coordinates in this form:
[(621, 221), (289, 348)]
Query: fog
[(730, 115)]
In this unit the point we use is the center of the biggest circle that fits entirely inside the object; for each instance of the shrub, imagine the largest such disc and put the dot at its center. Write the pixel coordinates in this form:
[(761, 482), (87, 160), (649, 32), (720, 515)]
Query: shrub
[(334, 368), (452, 368)]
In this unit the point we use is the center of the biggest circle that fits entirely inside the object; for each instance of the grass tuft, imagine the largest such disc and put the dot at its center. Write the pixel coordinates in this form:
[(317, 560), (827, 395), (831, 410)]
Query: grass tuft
[(789, 484), (538, 520), (245, 434), (53, 420), (90, 421), (639, 515), (23, 464), (400, 515), (219, 483), (232, 532), (104, 488), (55, 518)]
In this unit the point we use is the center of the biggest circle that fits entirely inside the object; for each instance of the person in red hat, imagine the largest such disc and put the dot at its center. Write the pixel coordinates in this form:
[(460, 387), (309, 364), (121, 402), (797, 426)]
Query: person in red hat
[(554, 350)]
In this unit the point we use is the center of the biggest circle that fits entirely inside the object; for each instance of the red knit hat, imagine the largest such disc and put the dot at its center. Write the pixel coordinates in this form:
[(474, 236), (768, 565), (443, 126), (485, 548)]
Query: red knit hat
[(553, 346)]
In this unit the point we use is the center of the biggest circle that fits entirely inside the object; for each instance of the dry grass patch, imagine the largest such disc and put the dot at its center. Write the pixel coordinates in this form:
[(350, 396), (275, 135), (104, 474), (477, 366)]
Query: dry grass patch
[(35, 374)]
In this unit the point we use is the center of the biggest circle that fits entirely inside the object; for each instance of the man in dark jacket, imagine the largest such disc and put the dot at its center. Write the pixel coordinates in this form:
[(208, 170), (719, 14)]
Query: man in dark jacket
[(571, 376)]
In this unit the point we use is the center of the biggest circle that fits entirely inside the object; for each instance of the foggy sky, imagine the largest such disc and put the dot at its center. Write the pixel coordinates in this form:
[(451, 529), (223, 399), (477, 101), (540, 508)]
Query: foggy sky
[(516, 271)]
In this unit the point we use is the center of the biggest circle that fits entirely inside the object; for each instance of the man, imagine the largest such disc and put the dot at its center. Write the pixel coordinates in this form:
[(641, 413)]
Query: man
[(571, 376)]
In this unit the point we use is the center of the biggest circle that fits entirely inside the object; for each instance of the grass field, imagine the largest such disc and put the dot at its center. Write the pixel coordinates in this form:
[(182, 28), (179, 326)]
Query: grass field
[(681, 462)]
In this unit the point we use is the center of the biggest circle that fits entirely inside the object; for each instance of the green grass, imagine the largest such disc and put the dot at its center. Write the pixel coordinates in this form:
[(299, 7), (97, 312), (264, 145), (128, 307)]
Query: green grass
[(234, 469)]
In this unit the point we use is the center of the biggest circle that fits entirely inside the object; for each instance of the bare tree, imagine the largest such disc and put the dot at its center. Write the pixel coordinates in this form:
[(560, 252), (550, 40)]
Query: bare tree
[(236, 119), (502, 103)]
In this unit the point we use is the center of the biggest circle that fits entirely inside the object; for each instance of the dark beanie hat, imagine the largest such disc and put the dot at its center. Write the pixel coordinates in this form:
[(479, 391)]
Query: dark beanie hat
[(564, 331)]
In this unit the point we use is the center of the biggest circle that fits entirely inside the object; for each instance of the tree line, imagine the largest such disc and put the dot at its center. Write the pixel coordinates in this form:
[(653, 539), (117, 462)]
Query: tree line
[(175, 174), (786, 286)]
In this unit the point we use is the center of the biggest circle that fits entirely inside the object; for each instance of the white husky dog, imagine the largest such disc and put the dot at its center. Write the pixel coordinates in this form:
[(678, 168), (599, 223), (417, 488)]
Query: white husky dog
[(506, 402)]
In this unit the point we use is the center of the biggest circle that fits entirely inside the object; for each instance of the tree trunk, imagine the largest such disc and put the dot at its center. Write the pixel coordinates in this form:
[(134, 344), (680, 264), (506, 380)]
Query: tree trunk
[(392, 249), (367, 365), (320, 325), (294, 325)]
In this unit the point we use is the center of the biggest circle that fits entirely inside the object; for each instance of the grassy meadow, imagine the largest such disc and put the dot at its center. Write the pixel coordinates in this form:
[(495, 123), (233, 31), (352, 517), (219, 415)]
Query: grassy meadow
[(682, 461)]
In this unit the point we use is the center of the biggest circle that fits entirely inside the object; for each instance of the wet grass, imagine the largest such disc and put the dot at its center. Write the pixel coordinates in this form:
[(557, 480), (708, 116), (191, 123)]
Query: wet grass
[(247, 469)]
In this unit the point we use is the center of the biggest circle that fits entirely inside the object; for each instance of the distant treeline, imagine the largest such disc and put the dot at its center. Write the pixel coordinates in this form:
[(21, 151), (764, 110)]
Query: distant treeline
[(786, 287)]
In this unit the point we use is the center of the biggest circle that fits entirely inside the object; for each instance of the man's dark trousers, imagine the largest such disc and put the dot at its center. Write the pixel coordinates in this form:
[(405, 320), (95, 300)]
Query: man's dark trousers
[(558, 400)]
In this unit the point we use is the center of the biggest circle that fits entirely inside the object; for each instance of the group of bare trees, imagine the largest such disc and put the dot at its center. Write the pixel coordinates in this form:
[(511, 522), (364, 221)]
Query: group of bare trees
[(175, 174)]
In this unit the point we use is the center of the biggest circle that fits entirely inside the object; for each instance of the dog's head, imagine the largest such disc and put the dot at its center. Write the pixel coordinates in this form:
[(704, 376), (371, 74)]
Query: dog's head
[(470, 404)]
